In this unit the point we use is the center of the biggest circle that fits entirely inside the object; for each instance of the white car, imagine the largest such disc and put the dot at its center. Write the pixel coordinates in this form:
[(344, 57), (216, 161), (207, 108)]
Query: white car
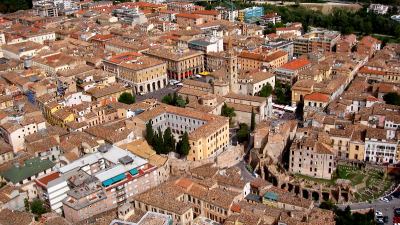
[(378, 213), (384, 199)]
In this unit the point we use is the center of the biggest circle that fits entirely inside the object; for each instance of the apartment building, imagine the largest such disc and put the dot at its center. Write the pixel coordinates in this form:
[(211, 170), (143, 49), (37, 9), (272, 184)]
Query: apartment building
[(6, 152), (96, 183), (181, 63), (19, 51), (144, 73), (189, 20), (52, 63), (251, 82), (311, 157), (208, 15), (107, 94), (316, 41), (185, 199), (368, 46), (288, 72), (208, 134), (381, 146), (346, 43), (14, 131), (22, 174), (262, 61)]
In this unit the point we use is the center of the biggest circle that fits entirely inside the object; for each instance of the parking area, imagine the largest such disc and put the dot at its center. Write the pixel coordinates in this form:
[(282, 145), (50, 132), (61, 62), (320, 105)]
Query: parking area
[(159, 94), (387, 210)]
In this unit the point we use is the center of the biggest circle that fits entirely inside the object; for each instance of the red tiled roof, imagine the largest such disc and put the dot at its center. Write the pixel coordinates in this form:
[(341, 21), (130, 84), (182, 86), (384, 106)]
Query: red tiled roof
[(365, 70), (296, 64), (235, 208), (206, 12), (184, 183), (102, 37), (188, 15), (318, 97), (46, 179), (126, 56)]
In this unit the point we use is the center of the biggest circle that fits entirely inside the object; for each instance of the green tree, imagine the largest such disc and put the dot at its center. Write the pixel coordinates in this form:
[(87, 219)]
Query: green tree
[(37, 207), (169, 141), (228, 112), (253, 120), (127, 98), (266, 90), (392, 98), (149, 133), (167, 99), (243, 133), (174, 100), (26, 204), (184, 146), (159, 146)]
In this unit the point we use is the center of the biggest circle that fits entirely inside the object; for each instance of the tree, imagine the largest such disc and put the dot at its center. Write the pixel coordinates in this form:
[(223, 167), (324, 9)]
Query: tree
[(26, 204), (174, 100), (159, 146), (184, 146), (253, 120), (392, 98), (266, 90), (127, 98), (169, 141), (228, 112), (243, 133), (37, 207), (149, 133)]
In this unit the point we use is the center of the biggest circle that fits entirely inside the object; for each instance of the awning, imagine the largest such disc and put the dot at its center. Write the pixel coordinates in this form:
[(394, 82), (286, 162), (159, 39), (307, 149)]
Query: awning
[(133, 171), (205, 73)]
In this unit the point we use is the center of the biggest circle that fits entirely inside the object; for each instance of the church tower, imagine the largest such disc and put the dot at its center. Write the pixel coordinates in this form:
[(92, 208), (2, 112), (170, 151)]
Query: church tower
[(231, 68)]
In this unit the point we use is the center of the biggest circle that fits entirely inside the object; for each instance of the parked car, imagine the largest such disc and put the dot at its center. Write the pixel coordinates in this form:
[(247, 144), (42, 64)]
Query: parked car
[(378, 213), (384, 199)]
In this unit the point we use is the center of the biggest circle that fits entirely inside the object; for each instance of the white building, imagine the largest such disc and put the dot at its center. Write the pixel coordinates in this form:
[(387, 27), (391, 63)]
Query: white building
[(378, 9), (380, 146), (208, 44), (22, 49), (251, 83), (14, 131), (77, 98)]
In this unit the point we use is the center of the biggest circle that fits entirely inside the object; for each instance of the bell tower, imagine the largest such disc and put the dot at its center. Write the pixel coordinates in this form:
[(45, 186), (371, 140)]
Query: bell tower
[(231, 68)]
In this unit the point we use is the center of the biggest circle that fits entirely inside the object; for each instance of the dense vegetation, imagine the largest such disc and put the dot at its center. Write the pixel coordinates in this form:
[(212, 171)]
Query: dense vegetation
[(243, 133), (228, 112), (174, 100), (392, 98), (127, 98), (346, 217), (164, 142), (9, 6), (342, 20), (266, 90), (283, 93)]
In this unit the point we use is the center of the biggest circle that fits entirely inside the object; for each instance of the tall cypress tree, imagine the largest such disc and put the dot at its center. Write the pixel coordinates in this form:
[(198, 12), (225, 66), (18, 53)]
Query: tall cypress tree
[(169, 141), (253, 120), (184, 146), (159, 142), (149, 133)]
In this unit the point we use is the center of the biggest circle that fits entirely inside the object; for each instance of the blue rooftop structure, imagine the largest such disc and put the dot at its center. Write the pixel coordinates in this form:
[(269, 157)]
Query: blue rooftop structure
[(271, 196)]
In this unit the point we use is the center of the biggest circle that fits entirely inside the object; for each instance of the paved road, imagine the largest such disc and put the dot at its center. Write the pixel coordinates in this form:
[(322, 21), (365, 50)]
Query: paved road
[(246, 175), (159, 94), (386, 208)]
